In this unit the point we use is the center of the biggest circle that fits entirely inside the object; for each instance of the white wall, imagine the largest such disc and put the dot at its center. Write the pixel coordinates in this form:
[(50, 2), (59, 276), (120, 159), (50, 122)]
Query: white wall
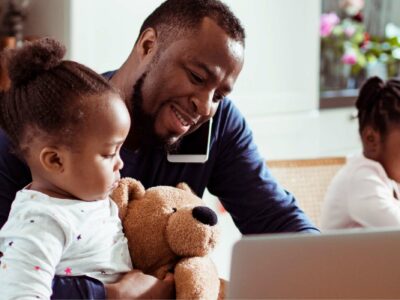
[(104, 31), (281, 65), (50, 18)]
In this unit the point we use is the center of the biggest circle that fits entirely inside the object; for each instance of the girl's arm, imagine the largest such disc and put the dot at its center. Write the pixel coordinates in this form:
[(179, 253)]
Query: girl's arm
[(31, 247)]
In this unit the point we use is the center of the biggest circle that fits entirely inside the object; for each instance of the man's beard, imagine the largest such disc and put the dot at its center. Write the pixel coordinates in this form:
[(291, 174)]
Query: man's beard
[(144, 135)]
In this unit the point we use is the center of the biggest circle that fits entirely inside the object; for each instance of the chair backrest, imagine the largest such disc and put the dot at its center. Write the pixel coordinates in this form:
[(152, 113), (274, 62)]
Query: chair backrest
[(308, 180)]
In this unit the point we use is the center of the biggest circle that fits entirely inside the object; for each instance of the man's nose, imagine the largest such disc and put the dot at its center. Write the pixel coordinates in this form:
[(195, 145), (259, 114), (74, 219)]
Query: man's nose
[(202, 103)]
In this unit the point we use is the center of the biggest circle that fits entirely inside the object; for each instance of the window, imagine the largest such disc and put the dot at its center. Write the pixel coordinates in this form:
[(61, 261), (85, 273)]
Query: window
[(359, 39)]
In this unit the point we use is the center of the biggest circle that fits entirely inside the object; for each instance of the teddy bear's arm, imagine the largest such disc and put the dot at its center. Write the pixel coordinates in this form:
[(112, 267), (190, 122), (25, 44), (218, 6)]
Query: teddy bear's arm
[(196, 278)]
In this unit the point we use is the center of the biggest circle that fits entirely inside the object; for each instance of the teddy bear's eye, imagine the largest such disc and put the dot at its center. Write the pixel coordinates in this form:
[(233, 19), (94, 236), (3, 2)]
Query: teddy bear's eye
[(174, 209)]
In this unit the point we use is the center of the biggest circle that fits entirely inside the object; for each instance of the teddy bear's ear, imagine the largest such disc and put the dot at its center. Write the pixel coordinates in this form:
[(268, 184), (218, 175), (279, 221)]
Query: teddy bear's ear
[(184, 186), (135, 188), (127, 190)]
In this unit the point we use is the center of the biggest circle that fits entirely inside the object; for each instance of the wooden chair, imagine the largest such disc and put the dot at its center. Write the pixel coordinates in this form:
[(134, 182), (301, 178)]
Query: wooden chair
[(308, 180)]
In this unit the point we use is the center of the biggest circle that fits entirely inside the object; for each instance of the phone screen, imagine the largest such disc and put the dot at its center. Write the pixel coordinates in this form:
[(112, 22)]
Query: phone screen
[(193, 147)]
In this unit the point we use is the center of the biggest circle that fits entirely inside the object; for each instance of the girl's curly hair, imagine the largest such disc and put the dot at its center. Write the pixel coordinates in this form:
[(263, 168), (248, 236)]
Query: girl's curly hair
[(46, 95)]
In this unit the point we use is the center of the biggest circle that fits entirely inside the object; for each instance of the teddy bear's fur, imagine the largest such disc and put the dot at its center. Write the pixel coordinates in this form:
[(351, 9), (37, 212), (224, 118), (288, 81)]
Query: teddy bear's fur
[(170, 229)]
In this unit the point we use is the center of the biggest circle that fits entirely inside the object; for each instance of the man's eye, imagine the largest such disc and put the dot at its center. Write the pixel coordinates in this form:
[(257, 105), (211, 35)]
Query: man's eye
[(196, 78), (218, 97), (109, 155)]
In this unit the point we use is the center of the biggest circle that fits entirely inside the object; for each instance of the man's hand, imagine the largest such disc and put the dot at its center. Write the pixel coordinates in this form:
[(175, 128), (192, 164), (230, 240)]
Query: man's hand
[(137, 285)]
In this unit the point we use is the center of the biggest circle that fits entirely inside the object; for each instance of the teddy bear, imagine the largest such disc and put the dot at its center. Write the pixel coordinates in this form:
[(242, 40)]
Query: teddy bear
[(169, 229)]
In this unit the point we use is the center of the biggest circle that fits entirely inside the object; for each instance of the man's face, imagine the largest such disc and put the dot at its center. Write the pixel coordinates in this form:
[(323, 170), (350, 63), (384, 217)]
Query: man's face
[(186, 81)]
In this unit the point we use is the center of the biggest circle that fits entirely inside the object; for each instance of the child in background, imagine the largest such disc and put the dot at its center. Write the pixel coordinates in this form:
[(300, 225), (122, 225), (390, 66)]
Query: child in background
[(365, 192), (68, 124)]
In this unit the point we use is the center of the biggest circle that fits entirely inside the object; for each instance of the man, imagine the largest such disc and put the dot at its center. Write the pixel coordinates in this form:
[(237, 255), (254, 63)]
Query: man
[(184, 63)]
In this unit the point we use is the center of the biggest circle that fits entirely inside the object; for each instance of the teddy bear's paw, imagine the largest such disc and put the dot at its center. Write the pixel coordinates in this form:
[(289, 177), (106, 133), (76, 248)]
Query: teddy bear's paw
[(196, 278)]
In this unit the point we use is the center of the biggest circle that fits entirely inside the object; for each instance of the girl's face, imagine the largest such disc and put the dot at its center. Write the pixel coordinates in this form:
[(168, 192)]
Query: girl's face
[(92, 170), (389, 153)]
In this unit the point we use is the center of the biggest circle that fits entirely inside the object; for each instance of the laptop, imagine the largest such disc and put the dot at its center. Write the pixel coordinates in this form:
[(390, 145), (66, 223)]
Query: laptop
[(352, 264)]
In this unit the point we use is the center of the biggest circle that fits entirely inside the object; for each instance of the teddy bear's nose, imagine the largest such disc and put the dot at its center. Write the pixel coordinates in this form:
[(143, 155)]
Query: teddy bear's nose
[(205, 215)]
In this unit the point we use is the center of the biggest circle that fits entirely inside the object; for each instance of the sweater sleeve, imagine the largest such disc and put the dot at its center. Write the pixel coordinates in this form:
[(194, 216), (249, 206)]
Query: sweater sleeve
[(245, 186), (14, 175), (77, 287)]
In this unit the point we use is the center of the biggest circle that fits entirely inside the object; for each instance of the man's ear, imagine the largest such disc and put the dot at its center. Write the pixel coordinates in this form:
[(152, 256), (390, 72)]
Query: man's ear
[(371, 140), (52, 159), (147, 44)]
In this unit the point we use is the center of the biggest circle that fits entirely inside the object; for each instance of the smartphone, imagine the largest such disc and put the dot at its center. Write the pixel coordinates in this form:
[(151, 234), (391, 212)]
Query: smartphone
[(194, 147)]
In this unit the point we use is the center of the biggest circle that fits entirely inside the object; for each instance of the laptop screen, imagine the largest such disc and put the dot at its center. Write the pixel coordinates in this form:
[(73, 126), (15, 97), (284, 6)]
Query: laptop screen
[(353, 264)]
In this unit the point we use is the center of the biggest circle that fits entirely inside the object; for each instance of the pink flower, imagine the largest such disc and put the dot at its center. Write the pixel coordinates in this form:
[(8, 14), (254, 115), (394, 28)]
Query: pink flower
[(349, 58), (327, 23), (349, 31)]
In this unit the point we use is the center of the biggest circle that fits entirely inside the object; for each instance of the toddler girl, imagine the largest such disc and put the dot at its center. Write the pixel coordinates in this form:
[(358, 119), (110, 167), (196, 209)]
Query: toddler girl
[(68, 124), (365, 192)]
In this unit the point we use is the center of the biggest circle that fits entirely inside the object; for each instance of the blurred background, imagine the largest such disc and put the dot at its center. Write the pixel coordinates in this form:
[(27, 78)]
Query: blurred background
[(305, 60)]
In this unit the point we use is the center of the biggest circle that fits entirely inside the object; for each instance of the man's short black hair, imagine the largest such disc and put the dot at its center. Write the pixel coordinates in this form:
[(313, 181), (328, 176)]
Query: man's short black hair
[(174, 17)]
